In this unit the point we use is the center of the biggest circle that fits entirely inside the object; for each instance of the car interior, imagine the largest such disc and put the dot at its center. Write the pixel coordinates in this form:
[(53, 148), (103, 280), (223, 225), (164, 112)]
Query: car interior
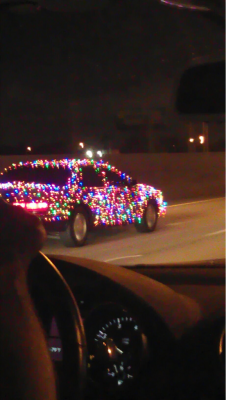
[(148, 332)]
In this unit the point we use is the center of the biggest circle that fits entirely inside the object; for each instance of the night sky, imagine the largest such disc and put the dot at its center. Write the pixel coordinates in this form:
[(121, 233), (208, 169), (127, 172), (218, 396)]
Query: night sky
[(49, 60)]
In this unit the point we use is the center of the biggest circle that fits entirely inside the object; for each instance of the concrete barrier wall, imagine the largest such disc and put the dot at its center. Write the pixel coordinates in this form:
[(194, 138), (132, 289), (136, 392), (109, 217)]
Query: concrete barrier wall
[(179, 176)]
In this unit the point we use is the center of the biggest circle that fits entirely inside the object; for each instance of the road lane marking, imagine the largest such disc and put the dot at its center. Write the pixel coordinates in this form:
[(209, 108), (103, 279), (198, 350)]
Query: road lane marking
[(53, 237), (174, 223), (216, 233), (194, 202), (120, 258)]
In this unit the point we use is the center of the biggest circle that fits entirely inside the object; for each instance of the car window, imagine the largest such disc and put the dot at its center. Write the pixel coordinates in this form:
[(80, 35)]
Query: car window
[(52, 175), (90, 177), (115, 179)]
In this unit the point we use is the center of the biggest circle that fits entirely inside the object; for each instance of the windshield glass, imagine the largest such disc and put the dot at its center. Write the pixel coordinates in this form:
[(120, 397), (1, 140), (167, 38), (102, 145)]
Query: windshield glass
[(101, 83)]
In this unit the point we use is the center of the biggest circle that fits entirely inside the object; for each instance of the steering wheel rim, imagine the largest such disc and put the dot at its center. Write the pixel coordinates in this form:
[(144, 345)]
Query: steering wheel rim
[(44, 278)]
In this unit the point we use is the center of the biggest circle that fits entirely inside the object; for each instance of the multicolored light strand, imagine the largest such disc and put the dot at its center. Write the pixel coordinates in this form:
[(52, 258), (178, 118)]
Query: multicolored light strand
[(110, 204)]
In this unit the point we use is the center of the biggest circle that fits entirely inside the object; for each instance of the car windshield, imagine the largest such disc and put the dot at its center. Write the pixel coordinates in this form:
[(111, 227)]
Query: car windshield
[(135, 89)]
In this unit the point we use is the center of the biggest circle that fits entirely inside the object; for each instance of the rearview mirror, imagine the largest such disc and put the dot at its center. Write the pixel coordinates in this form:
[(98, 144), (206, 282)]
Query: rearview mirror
[(201, 90)]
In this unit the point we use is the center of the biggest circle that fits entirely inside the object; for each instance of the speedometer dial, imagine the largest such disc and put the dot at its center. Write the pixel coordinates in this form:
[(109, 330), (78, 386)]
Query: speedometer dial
[(116, 346)]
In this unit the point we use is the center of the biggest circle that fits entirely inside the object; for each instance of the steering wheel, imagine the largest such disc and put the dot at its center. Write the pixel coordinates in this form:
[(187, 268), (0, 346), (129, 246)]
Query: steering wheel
[(52, 297)]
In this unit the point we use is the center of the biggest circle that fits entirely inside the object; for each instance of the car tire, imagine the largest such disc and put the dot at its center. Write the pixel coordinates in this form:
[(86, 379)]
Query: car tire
[(77, 230), (149, 220)]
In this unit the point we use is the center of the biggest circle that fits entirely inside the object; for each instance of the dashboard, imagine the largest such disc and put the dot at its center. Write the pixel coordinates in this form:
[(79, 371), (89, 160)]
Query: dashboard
[(151, 333), (117, 347)]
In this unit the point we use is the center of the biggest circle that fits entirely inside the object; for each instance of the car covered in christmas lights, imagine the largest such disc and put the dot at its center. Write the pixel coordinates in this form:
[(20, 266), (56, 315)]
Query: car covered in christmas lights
[(74, 196)]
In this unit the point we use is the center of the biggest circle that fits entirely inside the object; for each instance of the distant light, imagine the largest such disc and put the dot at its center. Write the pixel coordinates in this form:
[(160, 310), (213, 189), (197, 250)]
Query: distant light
[(99, 153), (28, 148), (202, 139), (89, 153), (191, 140), (81, 145)]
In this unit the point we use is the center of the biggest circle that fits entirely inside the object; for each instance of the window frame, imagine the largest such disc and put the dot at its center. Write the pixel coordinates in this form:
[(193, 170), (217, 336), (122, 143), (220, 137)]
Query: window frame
[(122, 182), (99, 184)]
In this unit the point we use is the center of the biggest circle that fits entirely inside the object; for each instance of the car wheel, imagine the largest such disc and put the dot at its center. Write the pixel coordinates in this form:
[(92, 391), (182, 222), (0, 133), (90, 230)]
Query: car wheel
[(149, 220), (77, 230)]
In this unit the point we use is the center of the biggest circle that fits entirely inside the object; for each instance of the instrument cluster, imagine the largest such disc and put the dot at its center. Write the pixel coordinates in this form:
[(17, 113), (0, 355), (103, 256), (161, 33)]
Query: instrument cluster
[(117, 347)]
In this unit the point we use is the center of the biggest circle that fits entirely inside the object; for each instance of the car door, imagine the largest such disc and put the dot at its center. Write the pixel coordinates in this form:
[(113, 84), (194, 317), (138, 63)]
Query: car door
[(120, 189), (94, 194)]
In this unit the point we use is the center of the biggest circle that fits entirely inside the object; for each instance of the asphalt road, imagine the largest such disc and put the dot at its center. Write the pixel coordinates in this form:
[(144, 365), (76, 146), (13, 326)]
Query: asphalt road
[(190, 231)]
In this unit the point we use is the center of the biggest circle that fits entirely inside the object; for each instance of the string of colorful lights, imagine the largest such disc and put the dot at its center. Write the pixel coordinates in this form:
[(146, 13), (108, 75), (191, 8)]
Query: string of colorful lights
[(109, 204)]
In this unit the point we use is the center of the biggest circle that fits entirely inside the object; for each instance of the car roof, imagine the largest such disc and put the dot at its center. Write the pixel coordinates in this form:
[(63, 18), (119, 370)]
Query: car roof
[(70, 162)]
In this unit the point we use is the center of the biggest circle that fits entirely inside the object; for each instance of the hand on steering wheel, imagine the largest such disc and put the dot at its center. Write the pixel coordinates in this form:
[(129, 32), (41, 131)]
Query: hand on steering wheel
[(21, 236), (28, 370)]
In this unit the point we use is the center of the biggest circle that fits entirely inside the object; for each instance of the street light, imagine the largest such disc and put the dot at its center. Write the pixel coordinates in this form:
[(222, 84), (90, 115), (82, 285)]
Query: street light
[(28, 148), (202, 139), (99, 153), (81, 145), (89, 153), (191, 140)]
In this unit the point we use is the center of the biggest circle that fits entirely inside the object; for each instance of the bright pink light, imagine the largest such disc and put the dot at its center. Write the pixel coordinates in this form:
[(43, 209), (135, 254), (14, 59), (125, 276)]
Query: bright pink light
[(33, 206)]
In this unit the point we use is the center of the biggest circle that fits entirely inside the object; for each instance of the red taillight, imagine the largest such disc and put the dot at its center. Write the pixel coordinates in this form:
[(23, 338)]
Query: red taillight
[(19, 204), (36, 206), (42, 206)]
